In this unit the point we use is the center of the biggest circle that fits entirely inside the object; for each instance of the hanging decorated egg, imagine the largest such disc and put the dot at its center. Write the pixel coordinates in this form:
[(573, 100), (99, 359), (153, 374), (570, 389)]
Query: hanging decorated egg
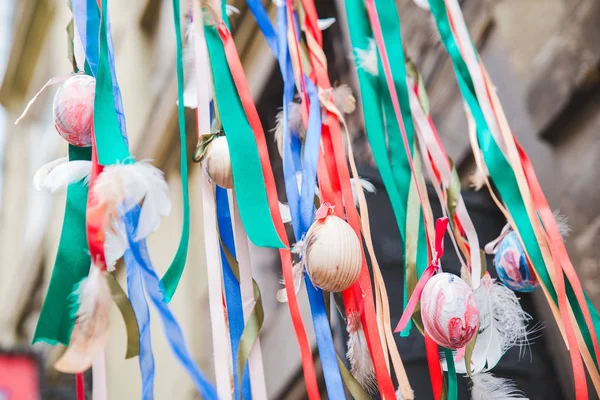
[(450, 316), (332, 253), (217, 161), (512, 266), (74, 110)]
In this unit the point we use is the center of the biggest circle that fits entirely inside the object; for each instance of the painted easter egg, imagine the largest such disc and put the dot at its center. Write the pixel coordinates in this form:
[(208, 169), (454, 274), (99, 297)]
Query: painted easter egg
[(450, 316), (74, 110), (512, 266)]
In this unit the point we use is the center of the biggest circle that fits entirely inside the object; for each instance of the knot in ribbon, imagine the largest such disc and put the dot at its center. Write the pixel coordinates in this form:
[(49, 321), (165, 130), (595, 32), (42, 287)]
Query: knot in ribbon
[(434, 266), (492, 247)]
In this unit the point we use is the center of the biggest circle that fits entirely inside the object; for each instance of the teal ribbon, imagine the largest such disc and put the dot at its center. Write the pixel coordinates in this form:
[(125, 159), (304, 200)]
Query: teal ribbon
[(171, 278), (248, 179), (72, 264), (503, 176), (393, 163)]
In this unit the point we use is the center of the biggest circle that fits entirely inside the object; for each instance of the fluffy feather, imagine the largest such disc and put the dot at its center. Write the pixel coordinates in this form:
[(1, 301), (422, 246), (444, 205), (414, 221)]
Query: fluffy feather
[(295, 124), (358, 355), (90, 333), (42, 173), (230, 10), (343, 99), (489, 387), (503, 325), (66, 173), (399, 394), (115, 244), (297, 272), (563, 223), (365, 185), (366, 59), (325, 23), (424, 4), (123, 186)]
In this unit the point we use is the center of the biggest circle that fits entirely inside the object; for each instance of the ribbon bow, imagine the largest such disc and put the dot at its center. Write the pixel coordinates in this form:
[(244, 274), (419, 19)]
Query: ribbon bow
[(440, 228)]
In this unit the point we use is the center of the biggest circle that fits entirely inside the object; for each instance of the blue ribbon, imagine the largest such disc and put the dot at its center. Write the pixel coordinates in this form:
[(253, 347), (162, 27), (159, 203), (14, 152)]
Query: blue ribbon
[(233, 296), (135, 289), (302, 207), (87, 18), (139, 255)]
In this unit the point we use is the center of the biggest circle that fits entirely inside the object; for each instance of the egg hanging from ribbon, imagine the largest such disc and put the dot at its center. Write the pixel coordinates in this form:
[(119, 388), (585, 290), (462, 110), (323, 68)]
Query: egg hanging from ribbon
[(217, 161), (512, 266), (450, 316), (332, 253), (74, 110)]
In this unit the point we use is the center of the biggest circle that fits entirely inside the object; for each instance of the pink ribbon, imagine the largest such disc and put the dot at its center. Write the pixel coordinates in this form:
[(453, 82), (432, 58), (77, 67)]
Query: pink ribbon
[(440, 228)]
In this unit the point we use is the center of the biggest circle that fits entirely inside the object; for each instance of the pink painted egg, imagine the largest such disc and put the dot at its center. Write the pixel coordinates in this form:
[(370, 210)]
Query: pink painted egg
[(450, 316), (74, 110)]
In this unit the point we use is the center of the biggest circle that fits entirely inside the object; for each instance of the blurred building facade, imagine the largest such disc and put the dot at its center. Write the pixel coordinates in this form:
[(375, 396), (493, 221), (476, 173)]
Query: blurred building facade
[(543, 56)]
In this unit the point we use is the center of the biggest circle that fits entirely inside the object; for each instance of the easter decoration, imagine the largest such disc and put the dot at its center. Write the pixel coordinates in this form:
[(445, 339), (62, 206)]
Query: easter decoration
[(115, 202)]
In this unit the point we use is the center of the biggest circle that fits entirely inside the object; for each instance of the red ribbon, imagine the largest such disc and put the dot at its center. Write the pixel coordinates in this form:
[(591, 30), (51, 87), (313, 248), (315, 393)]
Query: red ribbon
[(435, 368), (95, 214), (80, 386), (239, 78), (359, 297), (440, 228)]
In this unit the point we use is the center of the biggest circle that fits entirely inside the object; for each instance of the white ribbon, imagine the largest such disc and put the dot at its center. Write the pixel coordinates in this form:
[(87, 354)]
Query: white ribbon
[(427, 138), (220, 335), (255, 361), (99, 377)]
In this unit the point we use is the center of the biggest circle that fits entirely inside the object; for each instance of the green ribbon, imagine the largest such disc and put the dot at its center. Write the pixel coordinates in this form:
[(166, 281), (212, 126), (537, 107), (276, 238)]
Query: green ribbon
[(110, 145), (248, 178), (131, 326), (171, 278), (393, 165), (452, 380), (503, 176), (72, 264)]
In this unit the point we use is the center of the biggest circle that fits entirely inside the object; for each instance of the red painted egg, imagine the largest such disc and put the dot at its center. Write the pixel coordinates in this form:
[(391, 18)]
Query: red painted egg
[(450, 316), (74, 110)]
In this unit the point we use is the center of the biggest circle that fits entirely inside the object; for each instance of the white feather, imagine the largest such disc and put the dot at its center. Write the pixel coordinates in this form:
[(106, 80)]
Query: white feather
[(115, 243), (424, 4), (67, 173), (489, 387), (358, 355), (399, 394), (90, 333), (286, 216), (364, 185), (503, 324), (297, 273), (123, 186), (230, 10), (366, 59), (42, 173), (325, 23), (562, 221)]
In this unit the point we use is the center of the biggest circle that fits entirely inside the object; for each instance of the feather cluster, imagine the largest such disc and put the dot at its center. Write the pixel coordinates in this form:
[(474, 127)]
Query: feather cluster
[(486, 386), (297, 273), (90, 333), (503, 324), (60, 173), (562, 221), (361, 364), (342, 98), (121, 187)]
